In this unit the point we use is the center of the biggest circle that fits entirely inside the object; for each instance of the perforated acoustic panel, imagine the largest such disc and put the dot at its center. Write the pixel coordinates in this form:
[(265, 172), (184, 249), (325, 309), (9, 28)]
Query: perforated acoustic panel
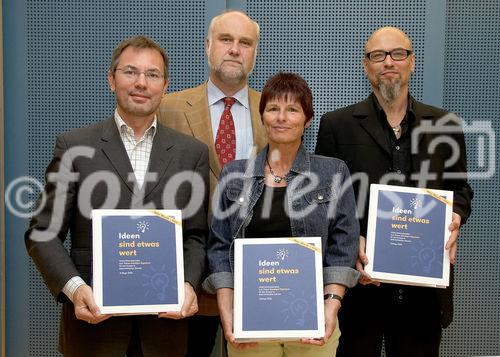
[(69, 49), (69, 46), (472, 89), (323, 42)]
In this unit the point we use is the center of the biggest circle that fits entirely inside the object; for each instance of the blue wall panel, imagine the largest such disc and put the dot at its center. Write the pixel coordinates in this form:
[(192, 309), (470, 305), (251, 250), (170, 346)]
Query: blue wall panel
[(56, 65), (323, 42), (16, 165), (472, 90)]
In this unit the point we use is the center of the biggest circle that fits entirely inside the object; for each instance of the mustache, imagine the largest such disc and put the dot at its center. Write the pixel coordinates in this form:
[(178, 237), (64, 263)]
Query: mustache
[(232, 60), (140, 93), (390, 71)]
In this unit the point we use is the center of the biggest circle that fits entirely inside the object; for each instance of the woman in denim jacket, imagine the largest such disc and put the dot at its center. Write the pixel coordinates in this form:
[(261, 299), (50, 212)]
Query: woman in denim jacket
[(285, 192)]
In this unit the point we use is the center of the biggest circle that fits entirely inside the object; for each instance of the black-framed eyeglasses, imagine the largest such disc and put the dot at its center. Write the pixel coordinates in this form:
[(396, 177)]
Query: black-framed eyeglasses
[(397, 54), (133, 74)]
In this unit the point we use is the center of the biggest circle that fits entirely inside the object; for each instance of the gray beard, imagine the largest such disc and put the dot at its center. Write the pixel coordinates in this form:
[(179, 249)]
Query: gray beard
[(227, 76), (390, 91), (231, 77)]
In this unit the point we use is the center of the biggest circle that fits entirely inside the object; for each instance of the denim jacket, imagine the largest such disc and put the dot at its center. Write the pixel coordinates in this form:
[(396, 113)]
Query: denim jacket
[(320, 203)]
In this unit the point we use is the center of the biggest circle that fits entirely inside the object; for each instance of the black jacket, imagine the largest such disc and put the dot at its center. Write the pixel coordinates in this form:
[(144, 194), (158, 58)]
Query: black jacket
[(355, 135)]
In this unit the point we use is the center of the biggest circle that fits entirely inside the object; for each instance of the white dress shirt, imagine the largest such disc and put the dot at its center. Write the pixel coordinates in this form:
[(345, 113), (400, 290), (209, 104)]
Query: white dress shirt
[(138, 151)]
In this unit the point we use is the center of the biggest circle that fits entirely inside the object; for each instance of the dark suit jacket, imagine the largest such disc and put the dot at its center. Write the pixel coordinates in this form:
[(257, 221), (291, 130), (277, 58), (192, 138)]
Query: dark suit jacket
[(171, 153), (355, 135)]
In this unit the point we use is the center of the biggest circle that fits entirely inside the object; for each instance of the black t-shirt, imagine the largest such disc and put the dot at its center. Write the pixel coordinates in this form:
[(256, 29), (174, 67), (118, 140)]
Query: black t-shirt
[(270, 217)]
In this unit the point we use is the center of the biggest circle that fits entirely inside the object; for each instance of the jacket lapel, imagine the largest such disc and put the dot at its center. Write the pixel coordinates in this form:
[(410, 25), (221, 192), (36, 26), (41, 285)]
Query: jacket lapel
[(365, 112), (113, 149), (159, 158), (259, 133), (198, 118), (421, 113)]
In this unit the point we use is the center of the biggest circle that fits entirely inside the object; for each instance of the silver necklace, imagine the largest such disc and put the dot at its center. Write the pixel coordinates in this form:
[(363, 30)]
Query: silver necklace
[(277, 178), (396, 129)]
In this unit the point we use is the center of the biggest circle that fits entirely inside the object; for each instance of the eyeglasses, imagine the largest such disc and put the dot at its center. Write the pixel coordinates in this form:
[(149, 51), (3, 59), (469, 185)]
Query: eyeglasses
[(397, 54), (133, 74)]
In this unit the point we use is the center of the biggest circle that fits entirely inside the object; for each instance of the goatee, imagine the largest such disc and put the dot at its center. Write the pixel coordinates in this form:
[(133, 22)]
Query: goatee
[(389, 91)]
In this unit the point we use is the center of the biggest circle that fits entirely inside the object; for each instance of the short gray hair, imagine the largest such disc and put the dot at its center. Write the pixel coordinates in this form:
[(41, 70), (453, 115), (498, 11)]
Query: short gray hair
[(225, 12)]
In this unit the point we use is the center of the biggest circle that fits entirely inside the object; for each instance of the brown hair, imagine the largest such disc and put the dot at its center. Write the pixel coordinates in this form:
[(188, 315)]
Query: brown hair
[(288, 85), (138, 42)]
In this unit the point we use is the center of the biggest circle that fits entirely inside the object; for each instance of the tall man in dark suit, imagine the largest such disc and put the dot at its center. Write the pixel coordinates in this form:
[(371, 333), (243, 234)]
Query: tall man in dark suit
[(382, 141), (231, 48), (123, 162)]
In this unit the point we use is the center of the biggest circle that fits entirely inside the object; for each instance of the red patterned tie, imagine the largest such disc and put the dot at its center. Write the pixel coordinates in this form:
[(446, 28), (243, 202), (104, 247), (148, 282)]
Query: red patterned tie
[(225, 141)]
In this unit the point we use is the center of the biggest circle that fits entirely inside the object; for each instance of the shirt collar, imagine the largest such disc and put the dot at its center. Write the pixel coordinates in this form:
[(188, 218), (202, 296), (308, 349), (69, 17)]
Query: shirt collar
[(215, 94), (410, 114), (121, 125)]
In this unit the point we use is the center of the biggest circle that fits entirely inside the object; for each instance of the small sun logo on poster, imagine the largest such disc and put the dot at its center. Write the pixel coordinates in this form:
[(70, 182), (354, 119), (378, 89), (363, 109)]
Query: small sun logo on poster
[(157, 283), (142, 226), (282, 254), (297, 308), (415, 203)]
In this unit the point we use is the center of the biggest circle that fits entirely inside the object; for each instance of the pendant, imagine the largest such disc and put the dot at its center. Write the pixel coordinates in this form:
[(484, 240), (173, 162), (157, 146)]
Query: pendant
[(277, 179)]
